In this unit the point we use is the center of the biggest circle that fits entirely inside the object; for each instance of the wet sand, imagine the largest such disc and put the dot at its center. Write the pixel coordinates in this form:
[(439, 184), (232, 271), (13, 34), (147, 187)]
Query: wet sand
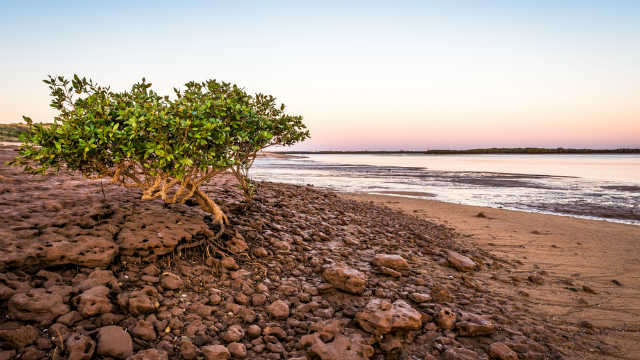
[(575, 256)]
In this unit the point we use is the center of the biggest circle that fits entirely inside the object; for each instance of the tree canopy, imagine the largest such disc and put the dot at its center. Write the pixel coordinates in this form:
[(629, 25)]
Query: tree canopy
[(165, 146)]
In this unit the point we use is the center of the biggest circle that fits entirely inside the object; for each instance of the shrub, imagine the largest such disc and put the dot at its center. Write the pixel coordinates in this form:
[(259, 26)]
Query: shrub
[(166, 147)]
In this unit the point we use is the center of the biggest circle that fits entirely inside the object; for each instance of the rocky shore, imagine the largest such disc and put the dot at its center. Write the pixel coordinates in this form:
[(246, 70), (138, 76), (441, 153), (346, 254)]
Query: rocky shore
[(87, 271)]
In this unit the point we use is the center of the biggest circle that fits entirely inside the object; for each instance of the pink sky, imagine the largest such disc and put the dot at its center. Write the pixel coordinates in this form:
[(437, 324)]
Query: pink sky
[(411, 76)]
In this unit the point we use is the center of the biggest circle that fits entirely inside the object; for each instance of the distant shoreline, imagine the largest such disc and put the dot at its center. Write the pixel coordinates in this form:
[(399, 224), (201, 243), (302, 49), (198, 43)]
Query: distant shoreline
[(473, 151)]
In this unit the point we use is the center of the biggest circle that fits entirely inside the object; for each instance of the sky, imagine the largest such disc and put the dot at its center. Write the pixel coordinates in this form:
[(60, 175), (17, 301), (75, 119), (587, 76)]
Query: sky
[(370, 75)]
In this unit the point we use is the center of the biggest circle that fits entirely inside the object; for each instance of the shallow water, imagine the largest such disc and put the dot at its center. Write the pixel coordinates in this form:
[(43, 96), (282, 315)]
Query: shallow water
[(592, 186)]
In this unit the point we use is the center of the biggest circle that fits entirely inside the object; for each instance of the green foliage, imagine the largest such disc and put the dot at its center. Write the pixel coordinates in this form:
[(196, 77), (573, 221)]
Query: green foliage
[(165, 146)]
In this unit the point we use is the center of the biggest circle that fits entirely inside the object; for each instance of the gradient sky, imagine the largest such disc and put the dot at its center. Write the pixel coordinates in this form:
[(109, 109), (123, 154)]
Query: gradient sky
[(365, 75)]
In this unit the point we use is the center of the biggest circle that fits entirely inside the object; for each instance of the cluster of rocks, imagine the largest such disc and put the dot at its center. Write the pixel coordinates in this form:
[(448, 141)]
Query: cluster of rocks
[(298, 274)]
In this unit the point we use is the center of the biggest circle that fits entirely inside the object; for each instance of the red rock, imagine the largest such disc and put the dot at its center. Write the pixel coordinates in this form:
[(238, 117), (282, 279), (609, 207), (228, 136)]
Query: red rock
[(446, 319), (258, 299), (96, 278), (7, 354), (233, 333), (80, 347), (144, 330), (254, 331), (215, 352), (380, 317), (229, 263), (115, 342), (157, 231), (459, 354), (460, 262), (188, 351), (150, 354), (501, 351), (345, 278), (395, 262), (236, 245), (94, 301), (70, 318), (32, 353), (466, 328), (420, 298), (37, 305), (17, 335), (143, 301), (171, 281), (278, 309), (342, 347), (260, 252), (237, 350)]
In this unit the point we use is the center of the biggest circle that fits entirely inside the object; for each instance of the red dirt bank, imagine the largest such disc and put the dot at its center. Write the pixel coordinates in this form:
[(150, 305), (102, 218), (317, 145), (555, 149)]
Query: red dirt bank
[(303, 274)]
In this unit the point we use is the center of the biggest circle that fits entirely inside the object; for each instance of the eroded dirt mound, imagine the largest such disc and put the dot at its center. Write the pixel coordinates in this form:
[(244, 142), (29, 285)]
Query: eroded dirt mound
[(300, 274)]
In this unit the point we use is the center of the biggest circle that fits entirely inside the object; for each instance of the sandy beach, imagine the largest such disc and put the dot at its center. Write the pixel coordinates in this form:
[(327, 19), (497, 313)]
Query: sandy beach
[(591, 268)]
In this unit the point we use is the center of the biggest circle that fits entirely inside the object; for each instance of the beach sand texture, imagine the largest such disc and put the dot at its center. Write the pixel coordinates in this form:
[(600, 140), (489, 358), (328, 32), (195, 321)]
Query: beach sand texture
[(579, 257)]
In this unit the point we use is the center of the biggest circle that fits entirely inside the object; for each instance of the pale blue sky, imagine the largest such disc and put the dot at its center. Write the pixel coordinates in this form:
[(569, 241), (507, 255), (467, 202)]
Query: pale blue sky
[(367, 75)]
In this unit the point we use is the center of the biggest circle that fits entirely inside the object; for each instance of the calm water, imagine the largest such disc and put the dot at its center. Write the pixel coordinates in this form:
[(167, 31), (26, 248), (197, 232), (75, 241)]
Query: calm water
[(592, 186)]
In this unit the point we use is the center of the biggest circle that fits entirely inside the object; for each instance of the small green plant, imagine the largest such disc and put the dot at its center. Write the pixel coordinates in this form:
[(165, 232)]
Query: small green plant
[(166, 147)]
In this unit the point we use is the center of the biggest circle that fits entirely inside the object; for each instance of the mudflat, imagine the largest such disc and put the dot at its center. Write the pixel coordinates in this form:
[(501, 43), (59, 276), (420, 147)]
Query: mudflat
[(589, 269)]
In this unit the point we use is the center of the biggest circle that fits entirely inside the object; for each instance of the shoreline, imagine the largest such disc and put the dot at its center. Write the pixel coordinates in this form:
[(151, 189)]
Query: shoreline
[(430, 196), (583, 260)]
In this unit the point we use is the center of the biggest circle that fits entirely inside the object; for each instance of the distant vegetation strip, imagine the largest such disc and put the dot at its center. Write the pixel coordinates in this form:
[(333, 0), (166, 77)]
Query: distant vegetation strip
[(11, 132), (481, 151)]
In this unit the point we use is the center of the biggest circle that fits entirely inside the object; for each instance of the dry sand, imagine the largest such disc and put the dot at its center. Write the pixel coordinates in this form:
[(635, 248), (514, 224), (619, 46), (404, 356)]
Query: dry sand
[(577, 255)]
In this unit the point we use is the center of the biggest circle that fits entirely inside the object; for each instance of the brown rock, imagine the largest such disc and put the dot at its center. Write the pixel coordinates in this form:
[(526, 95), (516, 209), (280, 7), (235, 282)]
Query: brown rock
[(446, 319), (441, 294), (380, 317), (94, 301), (143, 301), (229, 263), (460, 262), (389, 272), (420, 298), (171, 281), (70, 318), (278, 309), (37, 305), (254, 331), (501, 351), (215, 352), (52, 249), (237, 245), (345, 278), (80, 347), (237, 350), (258, 299), (480, 327), (188, 351), (7, 354), (96, 278), (342, 347), (151, 270), (144, 330), (459, 354), (234, 333), (395, 262), (115, 342), (150, 354), (157, 231), (260, 252), (17, 335), (32, 353)]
